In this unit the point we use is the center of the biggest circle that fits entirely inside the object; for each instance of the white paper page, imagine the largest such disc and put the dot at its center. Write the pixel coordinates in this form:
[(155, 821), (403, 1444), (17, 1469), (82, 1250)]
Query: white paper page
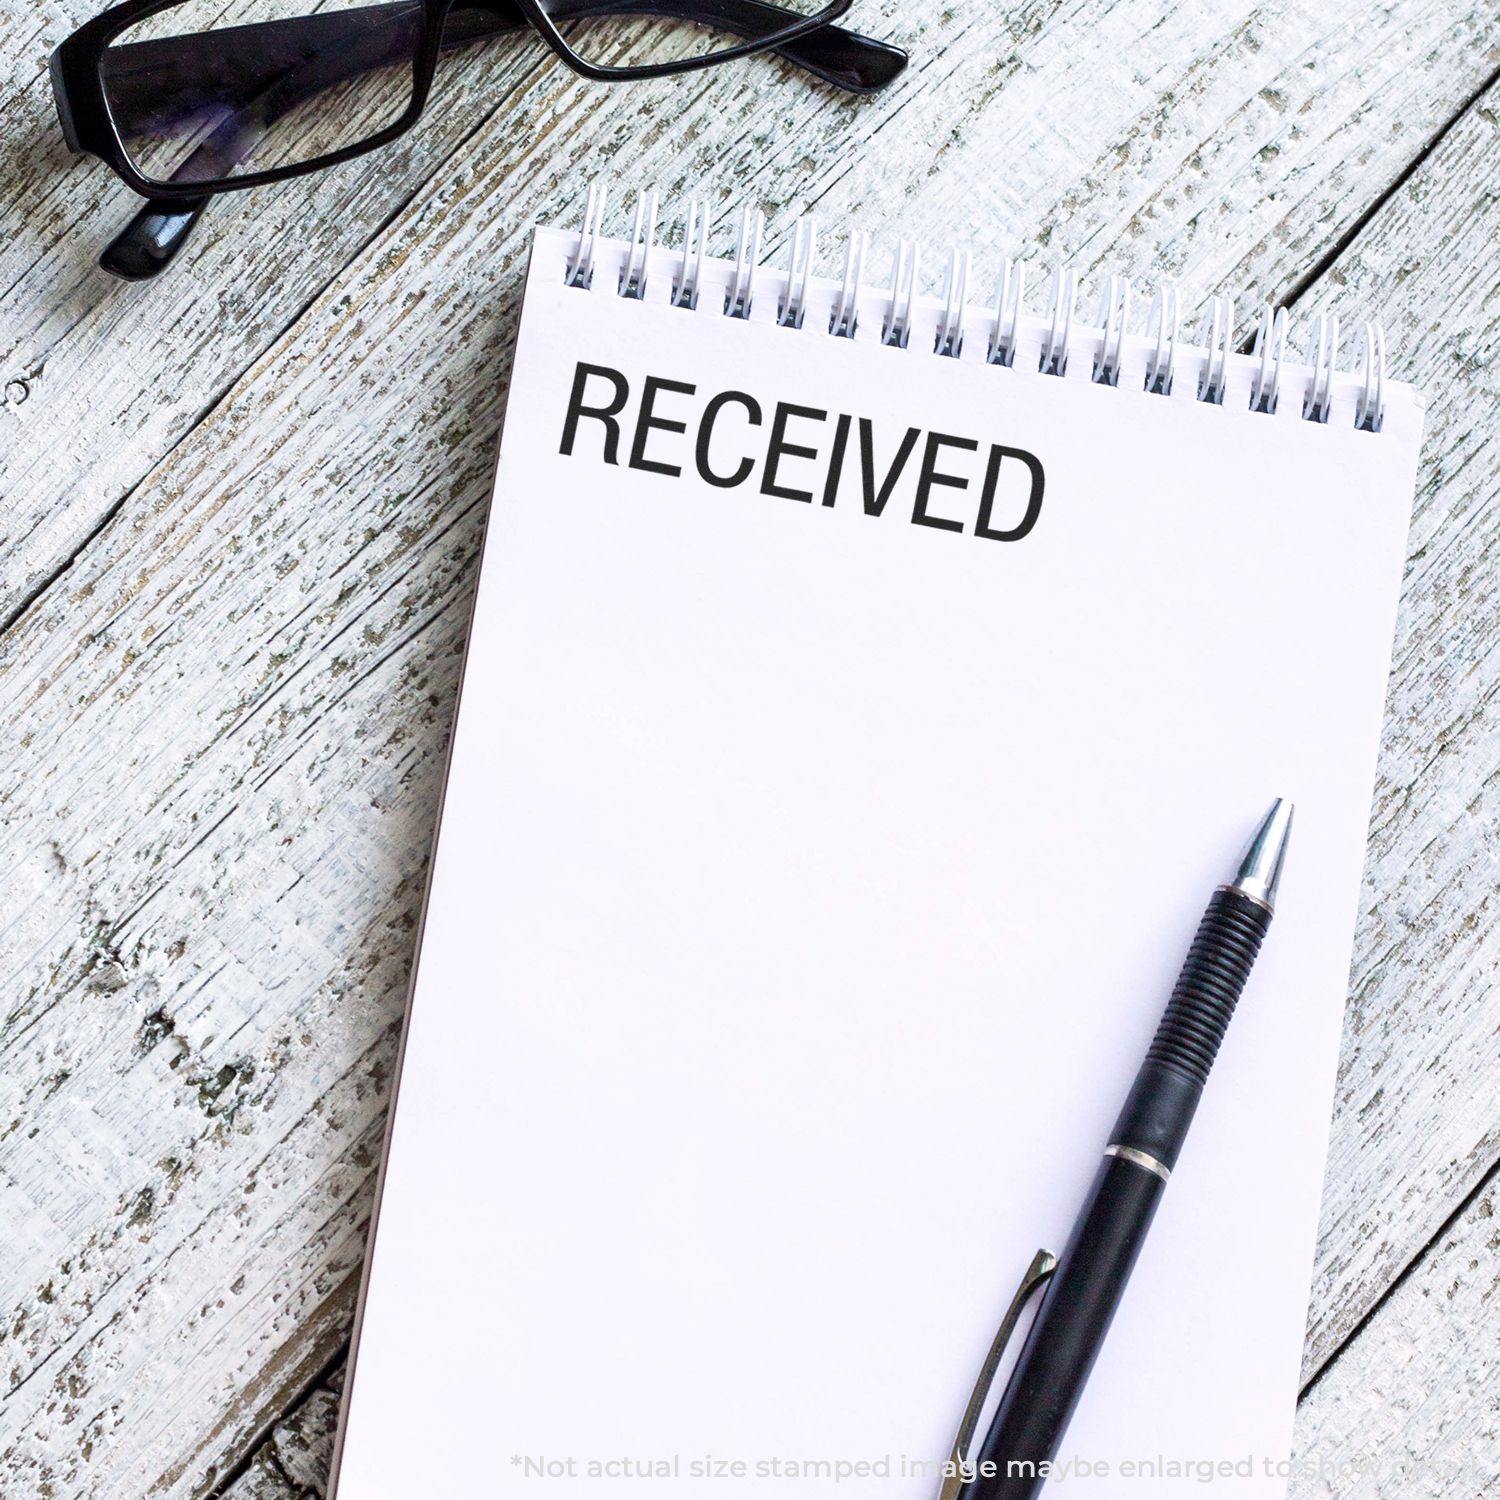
[(809, 886)]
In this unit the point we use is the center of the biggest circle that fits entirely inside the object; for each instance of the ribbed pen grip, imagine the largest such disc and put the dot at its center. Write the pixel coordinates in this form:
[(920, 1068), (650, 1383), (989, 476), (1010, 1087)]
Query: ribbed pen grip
[(1170, 1082), (1212, 979)]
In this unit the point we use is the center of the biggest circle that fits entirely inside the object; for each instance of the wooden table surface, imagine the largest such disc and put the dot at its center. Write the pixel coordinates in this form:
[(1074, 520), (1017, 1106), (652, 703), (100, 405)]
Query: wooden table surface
[(240, 510)]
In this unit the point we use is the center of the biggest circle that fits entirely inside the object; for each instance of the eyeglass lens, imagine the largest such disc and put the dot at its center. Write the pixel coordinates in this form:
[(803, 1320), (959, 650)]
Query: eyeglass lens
[(215, 89)]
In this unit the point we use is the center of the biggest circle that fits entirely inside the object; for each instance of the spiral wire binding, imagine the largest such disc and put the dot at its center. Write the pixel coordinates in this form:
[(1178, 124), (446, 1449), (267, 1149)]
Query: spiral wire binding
[(1325, 357), (642, 238), (844, 319), (1166, 319), (1054, 360), (1008, 300), (1163, 337), (793, 307), (950, 332), (1270, 345), (897, 329), (1369, 411), (689, 278), (1114, 318), (1218, 339), (581, 267), (746, 258)]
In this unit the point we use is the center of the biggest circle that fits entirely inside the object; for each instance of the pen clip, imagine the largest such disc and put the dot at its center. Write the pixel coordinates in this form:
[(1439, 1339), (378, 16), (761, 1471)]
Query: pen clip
[(1043, 1264)]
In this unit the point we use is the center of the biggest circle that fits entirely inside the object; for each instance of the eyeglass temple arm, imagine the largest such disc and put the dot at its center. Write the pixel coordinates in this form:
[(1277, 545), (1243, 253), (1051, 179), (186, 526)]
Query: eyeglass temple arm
[(139, 71), (844, 58), (160, 228), (151, 239)]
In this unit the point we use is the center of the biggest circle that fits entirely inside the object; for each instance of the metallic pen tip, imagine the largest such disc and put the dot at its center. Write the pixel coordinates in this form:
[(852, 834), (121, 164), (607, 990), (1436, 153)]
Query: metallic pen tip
[(1260, 870)]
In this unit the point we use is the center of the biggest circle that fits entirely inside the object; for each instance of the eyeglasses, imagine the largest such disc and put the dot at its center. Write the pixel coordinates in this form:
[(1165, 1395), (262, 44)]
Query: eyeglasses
[(188, 98)]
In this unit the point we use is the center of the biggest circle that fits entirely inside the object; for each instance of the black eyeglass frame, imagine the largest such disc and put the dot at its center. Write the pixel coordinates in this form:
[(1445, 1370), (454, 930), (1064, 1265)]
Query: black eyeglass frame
[(77, 72)]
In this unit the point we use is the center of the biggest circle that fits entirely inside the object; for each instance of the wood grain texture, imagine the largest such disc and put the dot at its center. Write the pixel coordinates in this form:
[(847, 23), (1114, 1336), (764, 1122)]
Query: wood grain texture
[(293, 1462), (1408, 1409), (1417, 1122), (1189, 137), (256, 491)]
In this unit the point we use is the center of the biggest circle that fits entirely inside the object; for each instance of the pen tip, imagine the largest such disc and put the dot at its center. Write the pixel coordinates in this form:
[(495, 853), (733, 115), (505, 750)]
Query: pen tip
[(1259, 873)]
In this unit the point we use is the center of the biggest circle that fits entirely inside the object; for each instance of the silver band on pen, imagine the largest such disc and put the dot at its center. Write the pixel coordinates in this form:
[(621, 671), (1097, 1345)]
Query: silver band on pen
[(1140, 1159)]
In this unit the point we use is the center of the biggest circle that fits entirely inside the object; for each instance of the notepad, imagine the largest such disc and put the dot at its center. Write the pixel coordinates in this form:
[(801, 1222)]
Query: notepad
[(866, 689)]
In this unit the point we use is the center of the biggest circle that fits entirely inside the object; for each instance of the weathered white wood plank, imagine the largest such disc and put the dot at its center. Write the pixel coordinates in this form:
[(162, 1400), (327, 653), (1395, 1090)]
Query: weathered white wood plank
[(1189, 133), (294, 1459), (1417, 1121), (231, 714), (1410, 1408), (100, 378)]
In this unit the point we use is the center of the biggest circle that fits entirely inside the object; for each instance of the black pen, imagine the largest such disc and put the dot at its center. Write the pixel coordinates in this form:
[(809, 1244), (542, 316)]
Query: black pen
[(1087, 1280)]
